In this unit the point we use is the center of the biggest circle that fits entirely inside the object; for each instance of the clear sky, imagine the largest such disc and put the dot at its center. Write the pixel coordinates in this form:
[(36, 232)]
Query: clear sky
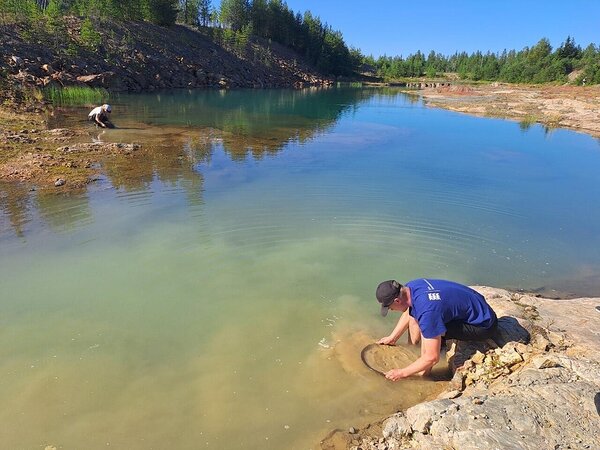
[(395, 27)]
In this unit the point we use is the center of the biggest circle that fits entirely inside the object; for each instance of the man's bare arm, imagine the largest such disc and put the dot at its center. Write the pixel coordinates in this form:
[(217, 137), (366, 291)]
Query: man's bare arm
[(430, 355)]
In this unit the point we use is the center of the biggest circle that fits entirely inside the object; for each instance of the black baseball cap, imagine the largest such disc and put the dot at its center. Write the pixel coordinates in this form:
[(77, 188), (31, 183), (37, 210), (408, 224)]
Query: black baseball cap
[(386, 293)]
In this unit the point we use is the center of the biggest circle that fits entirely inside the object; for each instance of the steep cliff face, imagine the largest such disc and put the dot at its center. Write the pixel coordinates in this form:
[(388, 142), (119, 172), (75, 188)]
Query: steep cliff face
[(138, 56)]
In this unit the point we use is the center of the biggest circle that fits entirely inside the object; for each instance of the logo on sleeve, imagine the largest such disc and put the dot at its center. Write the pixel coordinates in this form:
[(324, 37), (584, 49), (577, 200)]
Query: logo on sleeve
[(434, 296)]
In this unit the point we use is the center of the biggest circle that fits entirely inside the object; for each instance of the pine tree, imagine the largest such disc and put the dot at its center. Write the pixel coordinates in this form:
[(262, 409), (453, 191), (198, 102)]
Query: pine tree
[(204, 10), (235, 13), (161, 12)]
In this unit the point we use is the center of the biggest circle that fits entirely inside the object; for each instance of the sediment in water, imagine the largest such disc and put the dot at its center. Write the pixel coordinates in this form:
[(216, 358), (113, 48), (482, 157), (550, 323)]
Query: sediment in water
[(539, 389)]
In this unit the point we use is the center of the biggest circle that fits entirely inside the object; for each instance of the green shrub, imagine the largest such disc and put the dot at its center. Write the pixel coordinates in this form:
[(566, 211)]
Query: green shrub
[(90, 38)]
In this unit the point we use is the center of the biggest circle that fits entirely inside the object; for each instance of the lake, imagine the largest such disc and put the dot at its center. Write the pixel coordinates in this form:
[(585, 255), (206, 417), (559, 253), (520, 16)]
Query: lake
[(217, 292)]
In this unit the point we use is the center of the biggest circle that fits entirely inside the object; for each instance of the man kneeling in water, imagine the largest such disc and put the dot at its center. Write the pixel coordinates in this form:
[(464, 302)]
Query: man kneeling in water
[(432, 311), (99, 116)]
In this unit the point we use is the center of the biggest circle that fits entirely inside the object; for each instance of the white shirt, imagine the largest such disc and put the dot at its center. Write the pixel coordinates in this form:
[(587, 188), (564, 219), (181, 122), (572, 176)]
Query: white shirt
[(96, 111)]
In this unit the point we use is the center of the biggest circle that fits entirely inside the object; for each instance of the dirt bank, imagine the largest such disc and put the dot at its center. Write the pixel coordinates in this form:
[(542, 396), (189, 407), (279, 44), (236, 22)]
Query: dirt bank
[(573, 107), (537, 387), (139, 56)]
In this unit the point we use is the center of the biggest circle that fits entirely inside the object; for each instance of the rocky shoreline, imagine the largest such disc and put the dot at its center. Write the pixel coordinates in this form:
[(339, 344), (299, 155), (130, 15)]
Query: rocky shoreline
[(572, 107), (537, 386)]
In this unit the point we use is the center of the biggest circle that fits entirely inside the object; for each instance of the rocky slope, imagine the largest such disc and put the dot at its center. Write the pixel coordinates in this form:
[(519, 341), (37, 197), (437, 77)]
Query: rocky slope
[(536, 387), (139, 56)]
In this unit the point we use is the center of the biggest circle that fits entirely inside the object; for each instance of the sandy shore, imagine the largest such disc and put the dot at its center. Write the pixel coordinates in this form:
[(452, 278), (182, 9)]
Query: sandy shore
[(573, 107)]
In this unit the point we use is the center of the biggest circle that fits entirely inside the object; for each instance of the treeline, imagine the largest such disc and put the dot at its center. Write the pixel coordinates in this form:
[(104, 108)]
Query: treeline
[(538, 64), (161, 12), (237, 20), (318, 42)]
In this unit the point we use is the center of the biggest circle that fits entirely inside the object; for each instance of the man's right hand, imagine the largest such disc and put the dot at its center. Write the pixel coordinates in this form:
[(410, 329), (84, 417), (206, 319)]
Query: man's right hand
[(388, 340)]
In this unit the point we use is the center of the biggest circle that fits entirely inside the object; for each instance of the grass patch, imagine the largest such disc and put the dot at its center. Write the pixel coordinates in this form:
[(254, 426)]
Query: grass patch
[(528, 121), (75, 95)]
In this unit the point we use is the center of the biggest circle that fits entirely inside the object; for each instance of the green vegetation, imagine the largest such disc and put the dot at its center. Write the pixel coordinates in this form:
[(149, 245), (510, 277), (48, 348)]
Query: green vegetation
[(538, 64), (237, 24), (162, 12), (232, 25), (320, 44), (75, 95)]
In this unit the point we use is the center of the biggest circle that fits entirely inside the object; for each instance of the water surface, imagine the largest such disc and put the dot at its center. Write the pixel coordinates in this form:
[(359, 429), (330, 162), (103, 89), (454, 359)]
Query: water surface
[(217, 293)]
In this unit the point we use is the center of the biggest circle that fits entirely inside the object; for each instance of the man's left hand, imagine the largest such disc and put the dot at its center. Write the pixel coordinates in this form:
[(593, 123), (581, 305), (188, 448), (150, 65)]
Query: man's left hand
[(395, 374)]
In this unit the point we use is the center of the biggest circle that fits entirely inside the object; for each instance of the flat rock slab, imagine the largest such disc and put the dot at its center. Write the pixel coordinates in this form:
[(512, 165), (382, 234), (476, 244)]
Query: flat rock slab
[(577, 318)]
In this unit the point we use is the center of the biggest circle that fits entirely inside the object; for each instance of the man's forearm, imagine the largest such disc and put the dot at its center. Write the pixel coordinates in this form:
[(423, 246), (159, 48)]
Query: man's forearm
[(421, 364), (401, 326)]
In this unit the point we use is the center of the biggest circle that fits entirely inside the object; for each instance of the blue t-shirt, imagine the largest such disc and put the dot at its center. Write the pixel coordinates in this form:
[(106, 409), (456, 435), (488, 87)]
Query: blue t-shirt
[(438, 302)]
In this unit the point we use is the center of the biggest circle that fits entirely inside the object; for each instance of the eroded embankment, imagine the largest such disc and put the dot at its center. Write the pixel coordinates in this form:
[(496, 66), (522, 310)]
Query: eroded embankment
[(139, 56)]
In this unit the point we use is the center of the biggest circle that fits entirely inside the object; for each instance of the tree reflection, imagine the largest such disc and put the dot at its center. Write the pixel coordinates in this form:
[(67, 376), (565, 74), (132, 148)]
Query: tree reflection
[(15, 206), (186, 128)]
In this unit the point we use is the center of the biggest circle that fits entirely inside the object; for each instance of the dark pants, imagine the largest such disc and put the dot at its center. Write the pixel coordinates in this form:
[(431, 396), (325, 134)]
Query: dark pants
[(465, 332)]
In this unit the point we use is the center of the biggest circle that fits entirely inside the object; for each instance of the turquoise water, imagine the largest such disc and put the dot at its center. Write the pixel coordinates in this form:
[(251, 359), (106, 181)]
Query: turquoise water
[(218, 294)]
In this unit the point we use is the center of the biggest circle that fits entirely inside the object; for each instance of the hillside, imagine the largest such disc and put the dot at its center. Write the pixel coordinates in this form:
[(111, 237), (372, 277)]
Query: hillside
[(140, 56)]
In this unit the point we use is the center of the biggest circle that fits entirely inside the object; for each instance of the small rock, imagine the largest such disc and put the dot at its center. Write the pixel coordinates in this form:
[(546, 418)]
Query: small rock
[(59, 182), (510, 357), (458, 380), (421, 417), (544, 362), (469, 380), (352, 430), (478, 357), (541, 343), (557, 339), (396, 425), (522, 348), (450, 394), (17, 60)]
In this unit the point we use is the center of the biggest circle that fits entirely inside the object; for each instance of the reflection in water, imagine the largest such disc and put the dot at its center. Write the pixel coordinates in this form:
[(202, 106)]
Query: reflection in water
[(15, 205), (186, 127), (215, 289), (250, 122), (63, 212), (19, 206)]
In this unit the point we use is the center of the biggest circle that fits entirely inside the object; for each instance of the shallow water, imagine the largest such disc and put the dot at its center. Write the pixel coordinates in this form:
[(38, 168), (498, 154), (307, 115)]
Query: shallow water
[(217, 293)]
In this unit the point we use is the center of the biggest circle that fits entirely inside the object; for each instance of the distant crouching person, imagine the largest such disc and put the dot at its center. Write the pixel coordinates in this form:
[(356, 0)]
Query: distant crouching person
[(99, 116)]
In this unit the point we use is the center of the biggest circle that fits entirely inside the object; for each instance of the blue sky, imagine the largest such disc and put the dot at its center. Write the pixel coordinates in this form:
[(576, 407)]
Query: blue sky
[(396, 27)]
